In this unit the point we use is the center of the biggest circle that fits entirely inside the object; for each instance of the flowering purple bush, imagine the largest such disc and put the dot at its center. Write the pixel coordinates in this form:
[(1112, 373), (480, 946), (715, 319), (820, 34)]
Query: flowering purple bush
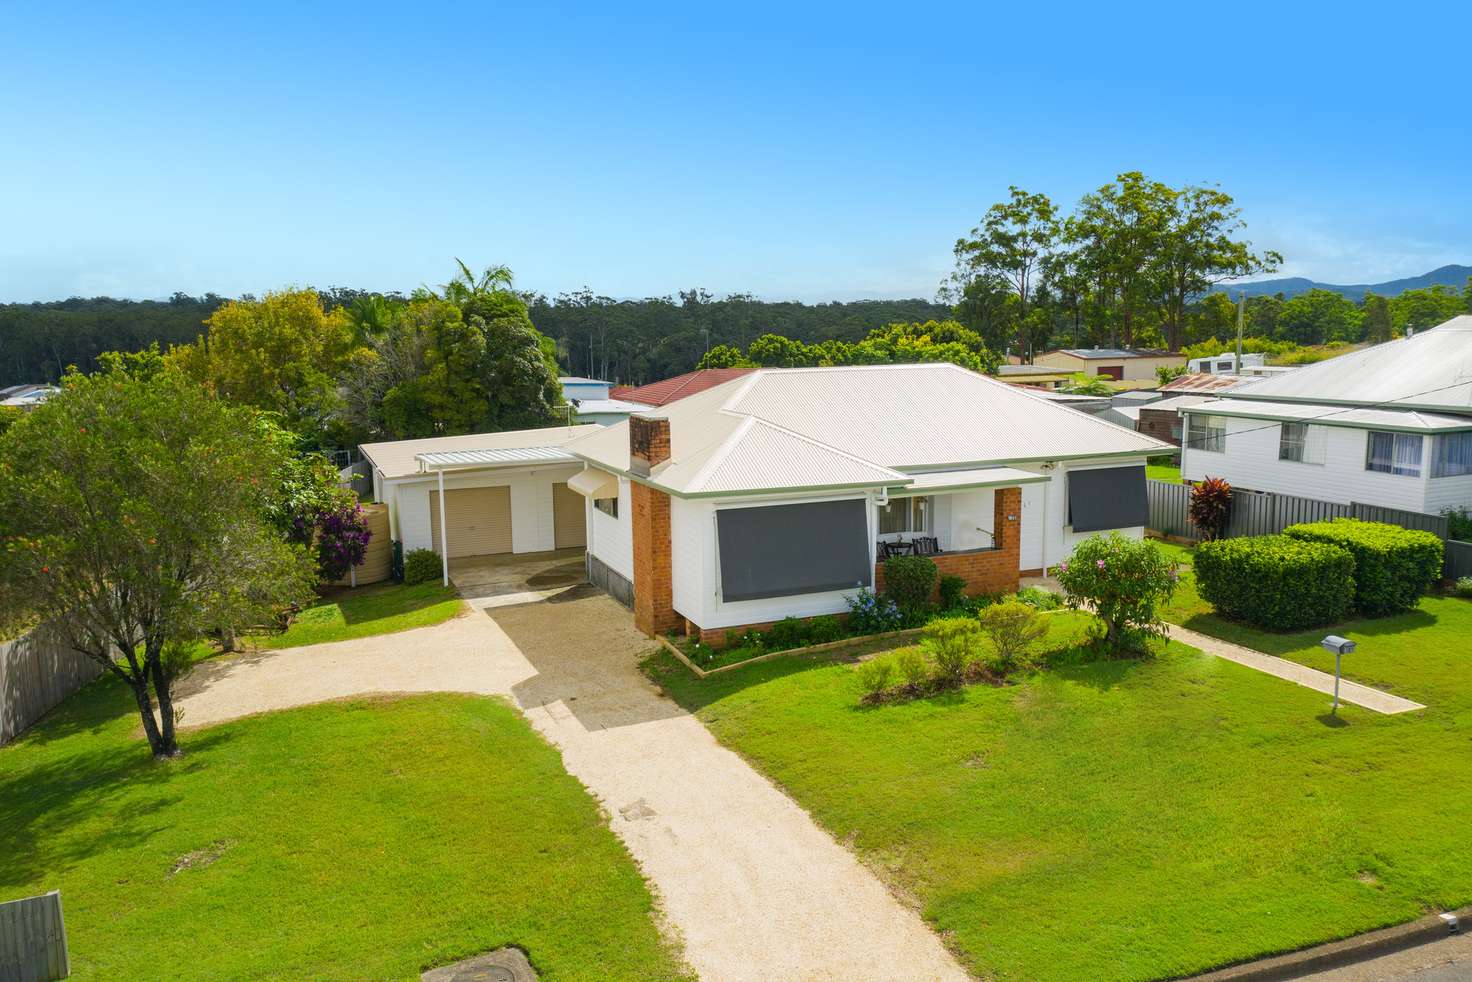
[(342, 540), (1123, 581)]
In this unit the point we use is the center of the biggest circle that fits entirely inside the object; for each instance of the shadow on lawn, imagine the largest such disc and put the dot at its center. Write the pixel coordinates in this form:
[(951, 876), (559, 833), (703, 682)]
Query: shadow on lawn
[(116, 790)]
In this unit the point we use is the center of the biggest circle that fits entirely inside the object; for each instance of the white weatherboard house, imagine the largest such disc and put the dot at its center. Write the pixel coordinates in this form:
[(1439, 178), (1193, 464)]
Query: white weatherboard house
[(1390, 425), (776, 494), (770, 495)]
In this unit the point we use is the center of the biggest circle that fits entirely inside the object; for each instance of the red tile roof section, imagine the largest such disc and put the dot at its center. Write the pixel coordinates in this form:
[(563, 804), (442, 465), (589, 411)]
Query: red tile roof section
[(671, 389)]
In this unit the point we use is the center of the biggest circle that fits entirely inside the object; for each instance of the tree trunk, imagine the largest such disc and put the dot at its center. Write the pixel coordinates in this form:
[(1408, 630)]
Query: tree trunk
[(167, 745), (150, 724)]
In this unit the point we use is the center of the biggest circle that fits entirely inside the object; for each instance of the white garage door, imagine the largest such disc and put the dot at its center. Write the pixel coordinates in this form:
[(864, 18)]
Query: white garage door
[(479, 520), (569, 517)]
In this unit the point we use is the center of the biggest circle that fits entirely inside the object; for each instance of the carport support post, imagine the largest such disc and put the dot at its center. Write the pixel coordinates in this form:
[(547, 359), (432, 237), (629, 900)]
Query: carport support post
[(444, 534)]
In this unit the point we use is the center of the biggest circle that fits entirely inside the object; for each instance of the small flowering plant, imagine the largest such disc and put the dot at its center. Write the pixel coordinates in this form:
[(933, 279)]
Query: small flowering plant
[(342, 540), (869, 613), (1124, 581)]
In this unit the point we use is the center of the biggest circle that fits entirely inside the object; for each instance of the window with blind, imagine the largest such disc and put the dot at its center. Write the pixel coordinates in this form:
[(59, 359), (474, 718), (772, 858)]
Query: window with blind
[(905, 515), (1206, 433), (1394, 453), (1452, 455)]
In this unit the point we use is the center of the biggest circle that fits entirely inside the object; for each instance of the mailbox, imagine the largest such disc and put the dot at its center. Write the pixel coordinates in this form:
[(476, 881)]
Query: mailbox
[(1336, 644)]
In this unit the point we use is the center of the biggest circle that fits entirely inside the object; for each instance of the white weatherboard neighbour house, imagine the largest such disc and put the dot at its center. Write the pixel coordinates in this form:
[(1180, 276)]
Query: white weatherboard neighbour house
[(1390, 425), (767, 496)]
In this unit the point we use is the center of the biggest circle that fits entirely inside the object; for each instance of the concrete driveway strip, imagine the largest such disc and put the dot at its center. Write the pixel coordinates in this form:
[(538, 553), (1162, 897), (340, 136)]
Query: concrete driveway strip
[(752, 886)]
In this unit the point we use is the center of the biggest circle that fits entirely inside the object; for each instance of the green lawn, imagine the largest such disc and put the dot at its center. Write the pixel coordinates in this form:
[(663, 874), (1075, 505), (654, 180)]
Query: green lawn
[(365, 611), (1127, 819), (1163, 472), (355, 840)]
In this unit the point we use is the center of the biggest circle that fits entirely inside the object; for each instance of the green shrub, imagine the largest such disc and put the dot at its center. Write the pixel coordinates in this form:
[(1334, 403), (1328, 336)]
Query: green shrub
[(952, 591), (1036, 596), (953, 642), (908, 581), (1124, 580), (421, 566), (1459, 524), (822, 630), (789, 632), (913, 669), (1393, 566), (1463, 587), (871, 614), (1014, 628), (1275, 581), (875, 675)]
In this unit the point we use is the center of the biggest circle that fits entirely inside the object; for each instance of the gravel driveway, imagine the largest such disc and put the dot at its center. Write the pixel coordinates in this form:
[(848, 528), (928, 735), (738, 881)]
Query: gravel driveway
[(752, 886)]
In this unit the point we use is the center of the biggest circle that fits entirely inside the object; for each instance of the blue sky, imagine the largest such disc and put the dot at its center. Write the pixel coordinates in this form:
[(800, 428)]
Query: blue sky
[(789, 151)]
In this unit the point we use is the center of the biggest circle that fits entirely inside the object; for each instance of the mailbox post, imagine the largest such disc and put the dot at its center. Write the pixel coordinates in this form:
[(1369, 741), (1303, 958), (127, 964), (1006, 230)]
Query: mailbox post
[(1340, 647)]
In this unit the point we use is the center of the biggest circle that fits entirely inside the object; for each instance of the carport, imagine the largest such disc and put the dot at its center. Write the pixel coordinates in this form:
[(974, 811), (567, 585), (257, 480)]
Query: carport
[(482, 495)]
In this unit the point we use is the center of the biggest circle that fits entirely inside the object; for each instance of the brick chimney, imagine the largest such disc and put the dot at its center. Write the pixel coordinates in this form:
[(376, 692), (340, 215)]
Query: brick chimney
[(649, 443)]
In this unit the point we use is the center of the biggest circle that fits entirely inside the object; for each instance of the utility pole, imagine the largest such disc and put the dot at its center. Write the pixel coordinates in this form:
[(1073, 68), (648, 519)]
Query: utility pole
[(1241, 316)]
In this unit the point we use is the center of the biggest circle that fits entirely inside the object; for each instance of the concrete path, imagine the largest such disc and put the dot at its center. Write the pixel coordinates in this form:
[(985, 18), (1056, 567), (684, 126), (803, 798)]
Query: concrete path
[(1440, 961), (1310, 678), (752, 886)]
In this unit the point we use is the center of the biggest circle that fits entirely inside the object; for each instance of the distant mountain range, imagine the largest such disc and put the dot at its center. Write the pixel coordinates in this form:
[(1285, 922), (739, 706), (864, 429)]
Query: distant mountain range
[(1292, 286)]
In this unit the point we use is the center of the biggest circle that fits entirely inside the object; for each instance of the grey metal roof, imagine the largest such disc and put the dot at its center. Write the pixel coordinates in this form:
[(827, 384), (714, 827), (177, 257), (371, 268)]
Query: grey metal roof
[(976, 477), (1117, 352), (1412, 421), (1431, 370), (456, 459), (803, 428)]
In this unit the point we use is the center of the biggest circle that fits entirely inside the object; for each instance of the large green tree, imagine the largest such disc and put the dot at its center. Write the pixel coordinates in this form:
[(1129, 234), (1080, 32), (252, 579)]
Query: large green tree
[(135, 515), (1198, 248), (1319, 316), (1416, 310), (1377, 318), (1119, 232), (1012, 244)]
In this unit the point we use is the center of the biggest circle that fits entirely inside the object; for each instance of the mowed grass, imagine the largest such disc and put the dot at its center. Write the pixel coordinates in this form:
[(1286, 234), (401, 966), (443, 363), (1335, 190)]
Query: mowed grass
[(1119, 819), (357, 840), (359, 613), (1163, 472)]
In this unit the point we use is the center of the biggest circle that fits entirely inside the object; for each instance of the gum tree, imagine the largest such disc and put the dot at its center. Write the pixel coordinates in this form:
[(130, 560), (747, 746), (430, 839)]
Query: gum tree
[(135, 515)]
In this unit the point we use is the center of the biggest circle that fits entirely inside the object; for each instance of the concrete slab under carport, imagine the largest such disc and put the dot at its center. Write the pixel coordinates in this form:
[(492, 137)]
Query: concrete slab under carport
[(516, 578)]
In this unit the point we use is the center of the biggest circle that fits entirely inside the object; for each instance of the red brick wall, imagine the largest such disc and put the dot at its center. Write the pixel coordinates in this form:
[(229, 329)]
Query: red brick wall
[(649, 443), (1159, 423), (654, 606)]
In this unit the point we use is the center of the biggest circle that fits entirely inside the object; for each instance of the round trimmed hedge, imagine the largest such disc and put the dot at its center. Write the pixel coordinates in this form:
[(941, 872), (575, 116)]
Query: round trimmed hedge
[(1393, 566), (1275, 581)]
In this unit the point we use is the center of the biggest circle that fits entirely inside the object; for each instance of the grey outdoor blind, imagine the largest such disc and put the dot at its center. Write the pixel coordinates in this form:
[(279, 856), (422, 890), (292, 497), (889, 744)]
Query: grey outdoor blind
[(1107, 498), (786, 550)]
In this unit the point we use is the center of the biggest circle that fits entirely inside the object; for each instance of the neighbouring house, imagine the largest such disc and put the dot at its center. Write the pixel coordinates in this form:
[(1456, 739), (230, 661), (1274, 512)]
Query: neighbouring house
[(483, 493), (1121, 364), (1182, 384), (1225, 363), (575, 387), (776, 494), (1040, 376), (666, 391), (1389, 425), (26, 396), (1162, 420)]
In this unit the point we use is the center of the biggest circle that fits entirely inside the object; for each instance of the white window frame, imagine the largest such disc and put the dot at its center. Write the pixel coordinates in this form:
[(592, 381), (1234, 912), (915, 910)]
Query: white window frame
[(918, 504), (1442, 443), (1398, 440), (608, 506), (1213, 438), (1287, 445)]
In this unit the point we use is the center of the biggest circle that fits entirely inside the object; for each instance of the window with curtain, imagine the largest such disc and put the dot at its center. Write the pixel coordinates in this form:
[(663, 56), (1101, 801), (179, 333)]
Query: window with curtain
[(1292, 439), (1394, 453), (1206, 433), (1452, 455), (905, 515)]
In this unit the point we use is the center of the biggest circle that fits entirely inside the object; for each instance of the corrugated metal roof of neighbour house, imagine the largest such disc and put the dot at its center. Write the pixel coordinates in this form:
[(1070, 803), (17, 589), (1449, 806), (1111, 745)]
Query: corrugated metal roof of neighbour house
[(833, 426), (1176, 403), (1431, 370), (1204, 383), (585, 406), (580, 380), (976, 477), (1091, 353), (1361, 418), (399, 458)]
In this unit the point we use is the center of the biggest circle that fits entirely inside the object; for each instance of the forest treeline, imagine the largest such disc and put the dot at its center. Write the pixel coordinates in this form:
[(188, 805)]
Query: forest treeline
[(632, 341)]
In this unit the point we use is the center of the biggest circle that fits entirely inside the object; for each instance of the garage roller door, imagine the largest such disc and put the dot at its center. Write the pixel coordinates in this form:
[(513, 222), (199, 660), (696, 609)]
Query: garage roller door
[(479, 520), (569, 521)]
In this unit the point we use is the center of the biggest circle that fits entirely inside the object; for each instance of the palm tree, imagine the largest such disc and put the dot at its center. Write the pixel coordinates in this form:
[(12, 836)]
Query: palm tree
[(466, 285)]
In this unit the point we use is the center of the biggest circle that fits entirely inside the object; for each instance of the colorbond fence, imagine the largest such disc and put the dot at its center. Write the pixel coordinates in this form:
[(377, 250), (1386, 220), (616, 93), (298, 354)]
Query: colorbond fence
[(33, 940), (37, 671), (1269, 514)]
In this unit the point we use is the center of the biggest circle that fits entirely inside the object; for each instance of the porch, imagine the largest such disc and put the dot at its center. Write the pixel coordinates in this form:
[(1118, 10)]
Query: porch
[(974, 534)]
